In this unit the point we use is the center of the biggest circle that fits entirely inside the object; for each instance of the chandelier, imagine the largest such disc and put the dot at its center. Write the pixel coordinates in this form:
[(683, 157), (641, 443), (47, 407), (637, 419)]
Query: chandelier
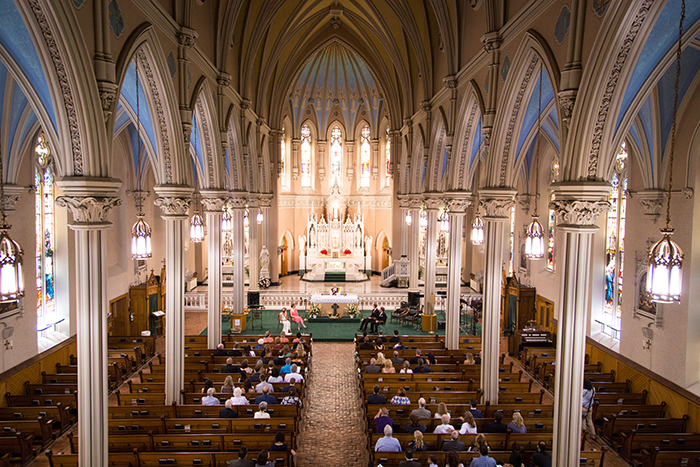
[(534, 235), (259, 216), (665, 262), (245, 219), (423, 219), (478, 222), (444, 221), (226, 224), (141, 231), (409, 218), (11, 276)]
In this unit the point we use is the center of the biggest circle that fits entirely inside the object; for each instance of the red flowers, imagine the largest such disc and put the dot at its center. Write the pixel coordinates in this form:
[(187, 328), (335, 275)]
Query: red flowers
[(347, 252), (324, 252)]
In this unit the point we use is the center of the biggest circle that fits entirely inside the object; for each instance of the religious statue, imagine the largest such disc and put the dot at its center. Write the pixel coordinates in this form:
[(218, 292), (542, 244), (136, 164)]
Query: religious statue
[(302, 242), (264, 262)]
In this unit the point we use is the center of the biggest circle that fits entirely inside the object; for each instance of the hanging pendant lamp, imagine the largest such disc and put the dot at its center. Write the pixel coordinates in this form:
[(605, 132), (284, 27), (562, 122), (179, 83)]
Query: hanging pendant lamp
[(478, 231), (259, 216), (196, 226), (409, 218), (665, 262), (245, 219), (423, 220), (534, 235), (478, 223), (226, 224), (141, 231), (444, 221), (11, 276)]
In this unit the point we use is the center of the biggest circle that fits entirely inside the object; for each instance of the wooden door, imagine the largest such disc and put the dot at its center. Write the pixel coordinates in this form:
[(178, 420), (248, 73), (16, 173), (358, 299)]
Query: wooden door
[(285, 265), (385, 253)]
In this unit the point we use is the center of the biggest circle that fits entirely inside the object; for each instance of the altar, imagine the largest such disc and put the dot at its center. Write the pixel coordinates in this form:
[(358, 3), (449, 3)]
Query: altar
[(328, 303)]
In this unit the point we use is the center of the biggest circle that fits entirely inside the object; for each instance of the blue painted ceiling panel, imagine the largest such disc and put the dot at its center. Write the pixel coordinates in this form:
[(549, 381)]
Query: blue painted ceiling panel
[(530, 118), (647, 118), (476, 142), (129, 92)]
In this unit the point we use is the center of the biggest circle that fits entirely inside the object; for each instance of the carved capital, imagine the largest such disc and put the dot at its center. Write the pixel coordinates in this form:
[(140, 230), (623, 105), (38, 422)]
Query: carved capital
[(492, 41), (567, 99), (186, 132), (237, 202), (458, 205), (266, 200), (335, 23), (415, 202), (652, 202), (524, 201), (578, 212), (450, 82), (224, 79), (108, 95), (407, 122), (403, 201), (186, 37), (213, 204), (425, 106), (9, 202), (432, 204), (88, 209), (172, 206)]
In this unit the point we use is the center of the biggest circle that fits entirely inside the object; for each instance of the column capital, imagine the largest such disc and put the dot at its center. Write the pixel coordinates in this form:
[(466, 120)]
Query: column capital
[(266, 200), (492, 41), (432, 202), (458, 202), (652, 201), (12, 195), (403, 201), (415, 201), (89, 209), (172, 206), (497, 202), (238, 201), (214, 200), (580, 203)]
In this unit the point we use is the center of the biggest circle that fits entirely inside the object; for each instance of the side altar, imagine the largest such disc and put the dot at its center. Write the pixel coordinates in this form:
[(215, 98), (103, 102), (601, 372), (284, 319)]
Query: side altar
[(334, 303), (335, 250)]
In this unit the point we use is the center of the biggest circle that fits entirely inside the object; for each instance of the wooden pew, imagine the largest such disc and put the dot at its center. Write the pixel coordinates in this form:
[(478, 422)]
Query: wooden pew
[(601, 411), (150, 398), (621, 398), (657, 457), (57, 388), (136, 426), (59, 413), (393, 459), (497, 441), (613, 427), (18, 445), (116, 459), (70, 400), (41, 429), (634, 442)]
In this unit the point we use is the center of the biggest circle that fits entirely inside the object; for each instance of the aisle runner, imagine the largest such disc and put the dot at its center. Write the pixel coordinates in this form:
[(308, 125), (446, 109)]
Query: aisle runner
[(331, 432)]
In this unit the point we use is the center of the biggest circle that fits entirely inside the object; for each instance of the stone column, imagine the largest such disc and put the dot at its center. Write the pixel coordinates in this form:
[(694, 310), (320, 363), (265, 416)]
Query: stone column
[(253, 247), (497, 204), (457, 204), (237, 204), (213, 202), (432, 204), (414, 245), (89, 223), (174, 202), (265, 235), (403, 204), (577, 208)]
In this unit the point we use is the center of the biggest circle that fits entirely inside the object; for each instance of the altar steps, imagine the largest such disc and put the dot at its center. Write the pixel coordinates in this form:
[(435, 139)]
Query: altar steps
[(334, 276)]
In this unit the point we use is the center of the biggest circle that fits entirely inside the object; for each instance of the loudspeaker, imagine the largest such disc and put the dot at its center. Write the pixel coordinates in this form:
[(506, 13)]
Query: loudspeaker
[(414, 298), (253, 298)]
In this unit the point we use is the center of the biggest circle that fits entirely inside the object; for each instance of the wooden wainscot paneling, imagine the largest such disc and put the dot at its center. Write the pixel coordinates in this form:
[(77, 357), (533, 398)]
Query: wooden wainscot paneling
[(12, 380)]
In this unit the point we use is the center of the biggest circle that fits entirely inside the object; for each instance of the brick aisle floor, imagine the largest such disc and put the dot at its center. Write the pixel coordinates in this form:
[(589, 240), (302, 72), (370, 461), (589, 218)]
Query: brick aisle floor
[(332, 423)]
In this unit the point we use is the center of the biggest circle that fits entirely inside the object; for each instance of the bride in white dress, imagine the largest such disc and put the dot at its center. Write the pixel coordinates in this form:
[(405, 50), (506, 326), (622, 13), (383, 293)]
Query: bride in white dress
[(286, 325)]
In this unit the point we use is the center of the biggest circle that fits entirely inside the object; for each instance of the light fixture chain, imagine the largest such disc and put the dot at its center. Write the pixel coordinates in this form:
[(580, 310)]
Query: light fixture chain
[(2, 192), (675, 112), (537, 144), (139, 201)]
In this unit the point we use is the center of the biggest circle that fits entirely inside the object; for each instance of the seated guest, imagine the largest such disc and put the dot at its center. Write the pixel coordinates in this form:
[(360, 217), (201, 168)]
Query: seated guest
[(515, 457), (518, 424), (496, 426), (259, 345), (417, 444), (414, 360), (263, 460), (248, 351), (264, 384), (468, 424), (248, 387), (229, 367), (452, 460), (279, 444), (242, 461), (255, 376), (267, 338), (366, 344), (400, 398), (468, 358), (294, 373), (379, 320), (454, 444), (396, 337), (382, 419), (227, 411), (275, 378), (209, 399), (376, 398), (399, 345), (388, 367), (234, 352), (414, 425), (373, 367), (262, 411), (388, 443), (379, 344), (478, 442), (483, 460), (266, 397), (406, 367), (208, 383), (421, 368), (292, 398), (431, 359), (238, 397), (287, 366), (228, 385), (277, 344), (445, 427), (541, 458), (220, 351), (279, 359), (245, 368), (292, 383), (409, 462), (396, 359), (283, 337), (369, 319), (441, 410), (472, 408), (421, 411)]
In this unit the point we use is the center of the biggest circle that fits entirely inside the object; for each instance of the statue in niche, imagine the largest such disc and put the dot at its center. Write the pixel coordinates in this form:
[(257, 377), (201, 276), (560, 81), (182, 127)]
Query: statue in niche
[(264, 262)]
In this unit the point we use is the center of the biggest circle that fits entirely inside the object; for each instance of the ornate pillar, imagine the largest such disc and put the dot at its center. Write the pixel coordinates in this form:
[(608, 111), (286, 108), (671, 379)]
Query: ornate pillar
[(457, 204), (321, 160), (432, 204), (403, 204), (237, 205), (265, 235), (414, 245), (89, 223), (213, 202), (174, 202), (253, 248), (577, 208), (497, 205)]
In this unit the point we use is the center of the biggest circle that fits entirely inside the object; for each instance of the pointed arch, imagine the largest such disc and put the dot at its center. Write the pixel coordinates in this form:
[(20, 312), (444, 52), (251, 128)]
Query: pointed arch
[(204, 111), (467, 140), (418, 163), (234, 153), (434, 165)]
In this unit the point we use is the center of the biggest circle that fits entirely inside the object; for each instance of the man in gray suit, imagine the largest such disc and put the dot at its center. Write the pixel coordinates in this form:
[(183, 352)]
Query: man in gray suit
[(242, 461)]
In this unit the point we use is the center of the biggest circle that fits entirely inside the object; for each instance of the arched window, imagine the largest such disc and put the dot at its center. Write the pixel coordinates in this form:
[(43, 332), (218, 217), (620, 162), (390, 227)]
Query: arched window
[(305, 156), (336, 155), (283, 159), (615, 240), (45, 237), (550, 236), (388, 154), (364, 157)]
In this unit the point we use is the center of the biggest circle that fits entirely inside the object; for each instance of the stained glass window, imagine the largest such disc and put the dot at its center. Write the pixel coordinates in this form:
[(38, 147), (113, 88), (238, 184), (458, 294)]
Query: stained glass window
[(364, 158), (45, 237), (550, 236), (305, 156), (336, 155), (388, 154), (283, 159), (615, 238)]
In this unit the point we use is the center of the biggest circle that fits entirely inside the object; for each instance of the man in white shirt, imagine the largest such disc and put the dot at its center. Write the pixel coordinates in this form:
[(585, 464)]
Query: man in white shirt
[(293, 374), (209, 399), (445, 428)]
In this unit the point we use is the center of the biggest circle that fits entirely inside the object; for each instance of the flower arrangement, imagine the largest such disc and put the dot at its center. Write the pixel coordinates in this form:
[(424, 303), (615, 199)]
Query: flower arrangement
[(324, 252), (264, 282), (352, 310), (314, 310), (347, 252)]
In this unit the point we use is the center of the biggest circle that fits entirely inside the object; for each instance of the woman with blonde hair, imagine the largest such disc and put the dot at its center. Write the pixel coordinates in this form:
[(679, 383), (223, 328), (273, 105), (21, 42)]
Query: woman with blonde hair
[(267, 338), (228, 385), (417, 444), (479, 441), (441, 410), (388, 367), (518, 424), (468, 424), (469, 358), (406, 367)]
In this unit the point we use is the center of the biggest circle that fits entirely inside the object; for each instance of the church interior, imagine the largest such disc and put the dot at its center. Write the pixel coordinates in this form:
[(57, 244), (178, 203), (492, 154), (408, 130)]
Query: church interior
[(195, 165)]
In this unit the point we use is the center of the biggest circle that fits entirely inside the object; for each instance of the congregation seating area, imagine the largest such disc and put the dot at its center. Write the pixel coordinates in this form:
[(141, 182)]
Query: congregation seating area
[(144, 431)]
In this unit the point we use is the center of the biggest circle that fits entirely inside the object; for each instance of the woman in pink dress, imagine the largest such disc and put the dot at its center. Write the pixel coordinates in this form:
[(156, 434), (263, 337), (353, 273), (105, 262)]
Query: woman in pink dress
[(296, 318)]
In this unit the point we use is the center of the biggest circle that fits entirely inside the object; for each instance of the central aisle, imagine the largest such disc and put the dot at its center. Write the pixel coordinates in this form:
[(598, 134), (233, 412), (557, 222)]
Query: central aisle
[(331, 427)]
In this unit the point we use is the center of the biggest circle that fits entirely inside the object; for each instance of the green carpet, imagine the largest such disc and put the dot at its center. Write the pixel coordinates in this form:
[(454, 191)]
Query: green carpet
[(330, 329)]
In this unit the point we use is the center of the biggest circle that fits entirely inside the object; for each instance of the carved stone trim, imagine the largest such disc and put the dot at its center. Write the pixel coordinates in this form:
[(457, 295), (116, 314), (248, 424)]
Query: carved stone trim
[(576, 212), (66, 91), (10, 201), (432, 204), (524, 201), (237, 202), (172, 206), (224, 79), (652, 202), (108, 96), (458, 205), (567, 99), (186, 37), (206, 137), (496, 207), (266, 200), (611, 85), (88, 209), (467, 139), (213, 204)]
